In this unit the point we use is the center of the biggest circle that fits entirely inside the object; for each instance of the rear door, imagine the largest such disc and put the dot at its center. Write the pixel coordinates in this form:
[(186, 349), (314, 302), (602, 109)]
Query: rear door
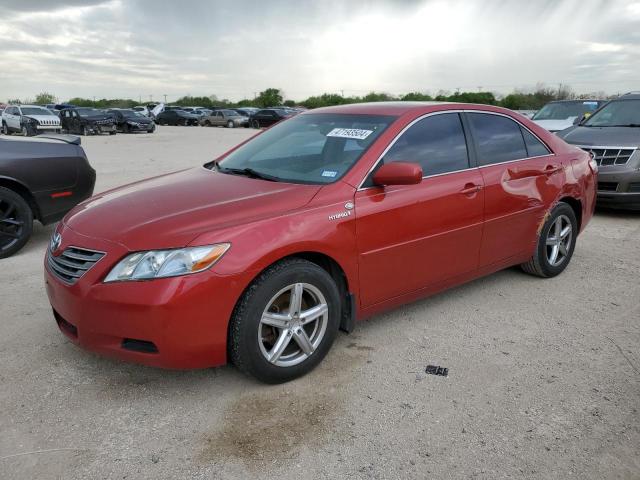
[(521, 177), (413, 236)]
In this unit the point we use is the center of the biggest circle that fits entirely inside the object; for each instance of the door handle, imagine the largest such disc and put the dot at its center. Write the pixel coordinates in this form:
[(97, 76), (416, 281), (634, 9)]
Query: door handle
[(470, 189), (551, 169)]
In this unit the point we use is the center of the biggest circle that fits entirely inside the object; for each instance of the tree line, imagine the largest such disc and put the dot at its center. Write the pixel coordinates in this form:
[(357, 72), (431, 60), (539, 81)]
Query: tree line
[(517, 100)]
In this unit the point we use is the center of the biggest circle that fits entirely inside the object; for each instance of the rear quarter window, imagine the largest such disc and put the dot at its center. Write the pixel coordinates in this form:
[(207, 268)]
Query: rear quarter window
[(498, 139)]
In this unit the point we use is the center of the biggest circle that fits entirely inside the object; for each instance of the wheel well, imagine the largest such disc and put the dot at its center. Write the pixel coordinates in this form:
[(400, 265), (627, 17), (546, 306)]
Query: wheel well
[(24, 193), (576, 205)]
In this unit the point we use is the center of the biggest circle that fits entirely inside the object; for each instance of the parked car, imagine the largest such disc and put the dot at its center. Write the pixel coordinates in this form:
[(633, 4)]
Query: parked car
[(40, 179), (246, 111), (268, 116), (176, 117), (142, 109), (527, 113), (224, 118), (612, 136), (561, 114), (87, 121), (130, 121), (328, 217), (29, 120)]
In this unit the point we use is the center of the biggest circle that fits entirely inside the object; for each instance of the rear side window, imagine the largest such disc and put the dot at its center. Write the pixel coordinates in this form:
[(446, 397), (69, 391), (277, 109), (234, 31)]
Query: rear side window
[(498, 138), (437, 143), (535, 148)]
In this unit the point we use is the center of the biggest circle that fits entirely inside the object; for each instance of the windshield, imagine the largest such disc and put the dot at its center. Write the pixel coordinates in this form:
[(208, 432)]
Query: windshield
[(313, 148), (89, 112), (35, 111), (617, 113), (565, 110), (132, 114), (230, 113)]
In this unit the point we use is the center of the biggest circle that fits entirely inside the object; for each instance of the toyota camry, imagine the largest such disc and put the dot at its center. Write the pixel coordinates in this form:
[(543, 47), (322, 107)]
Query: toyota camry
[(261, 256)]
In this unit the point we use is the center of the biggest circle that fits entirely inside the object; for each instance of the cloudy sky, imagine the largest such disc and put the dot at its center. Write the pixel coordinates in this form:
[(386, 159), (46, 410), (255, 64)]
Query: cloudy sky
[(129, 48)]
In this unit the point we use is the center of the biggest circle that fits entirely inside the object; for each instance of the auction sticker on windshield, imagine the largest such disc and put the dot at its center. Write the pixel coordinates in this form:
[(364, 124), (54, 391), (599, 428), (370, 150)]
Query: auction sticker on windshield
[(356, 133)]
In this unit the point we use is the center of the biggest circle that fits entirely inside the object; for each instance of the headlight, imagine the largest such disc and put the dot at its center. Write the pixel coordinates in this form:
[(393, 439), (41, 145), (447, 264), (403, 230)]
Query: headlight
[(166, 263)]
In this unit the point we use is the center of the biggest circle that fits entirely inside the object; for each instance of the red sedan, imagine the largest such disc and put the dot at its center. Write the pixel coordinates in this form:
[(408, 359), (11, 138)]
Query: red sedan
[(260, 257)]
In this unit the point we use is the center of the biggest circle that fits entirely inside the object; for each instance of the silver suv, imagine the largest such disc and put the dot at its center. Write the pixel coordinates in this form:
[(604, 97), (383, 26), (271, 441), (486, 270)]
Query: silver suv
[(612, 135)]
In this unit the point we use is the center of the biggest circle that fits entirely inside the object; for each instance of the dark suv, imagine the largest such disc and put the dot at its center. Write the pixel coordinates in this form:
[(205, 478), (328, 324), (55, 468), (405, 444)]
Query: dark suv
[(87, 121), (612, 135)]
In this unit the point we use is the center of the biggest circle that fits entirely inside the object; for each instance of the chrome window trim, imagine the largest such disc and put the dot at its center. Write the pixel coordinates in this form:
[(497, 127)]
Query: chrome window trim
[(441, 112)]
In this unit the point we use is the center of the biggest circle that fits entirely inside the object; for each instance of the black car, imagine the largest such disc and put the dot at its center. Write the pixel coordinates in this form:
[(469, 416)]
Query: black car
[(269, 116), (40, 179), (129, 121), (177, 117), (87, 121)]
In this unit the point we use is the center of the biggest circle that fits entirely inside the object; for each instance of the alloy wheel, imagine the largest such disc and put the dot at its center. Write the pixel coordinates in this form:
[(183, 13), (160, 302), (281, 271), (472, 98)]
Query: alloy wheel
[(293, 324), (558, 241), (11, 224)]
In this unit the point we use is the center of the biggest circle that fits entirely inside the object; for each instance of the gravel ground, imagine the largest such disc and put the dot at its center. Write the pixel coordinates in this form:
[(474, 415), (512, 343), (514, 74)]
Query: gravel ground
[(544, 375)]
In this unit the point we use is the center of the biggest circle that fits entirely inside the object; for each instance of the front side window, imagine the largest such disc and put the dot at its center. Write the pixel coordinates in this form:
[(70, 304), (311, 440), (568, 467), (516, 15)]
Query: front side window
[(312, 148), (437, 143), (498, 139), (619, 113)]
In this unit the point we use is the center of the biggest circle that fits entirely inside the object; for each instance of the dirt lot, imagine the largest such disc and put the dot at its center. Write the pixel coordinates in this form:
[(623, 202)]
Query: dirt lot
[(544, 375)]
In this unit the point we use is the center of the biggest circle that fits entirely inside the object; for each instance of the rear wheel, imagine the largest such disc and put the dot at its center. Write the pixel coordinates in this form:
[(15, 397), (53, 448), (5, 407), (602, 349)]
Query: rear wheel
[(230, 124), (255, 124), (286, 322), (556, 243), (16, 222)]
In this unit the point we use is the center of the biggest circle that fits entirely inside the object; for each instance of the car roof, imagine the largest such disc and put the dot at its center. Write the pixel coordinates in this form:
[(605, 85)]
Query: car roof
[(629, 96), (30, 106), (401, 108), (578, 100)]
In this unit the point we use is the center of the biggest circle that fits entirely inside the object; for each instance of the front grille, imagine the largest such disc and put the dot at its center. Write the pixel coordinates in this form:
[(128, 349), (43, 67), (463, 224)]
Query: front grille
[(104, 122), (71, 264), (609, 155), (607, 186), (634, 187)]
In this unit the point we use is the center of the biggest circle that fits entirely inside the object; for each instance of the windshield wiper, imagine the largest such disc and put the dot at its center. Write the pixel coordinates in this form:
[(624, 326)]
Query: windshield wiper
[(248, 172), (626, 125)]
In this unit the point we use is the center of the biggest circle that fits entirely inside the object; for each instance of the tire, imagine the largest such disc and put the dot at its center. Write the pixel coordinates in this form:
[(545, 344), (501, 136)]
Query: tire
[(16, 222), (152, 129), (230, 124), (251, 341), (5, 129), (85, 131), (207, 123), (255, 124), (125, 128), (542, 263), (112, 133), (24, 130)]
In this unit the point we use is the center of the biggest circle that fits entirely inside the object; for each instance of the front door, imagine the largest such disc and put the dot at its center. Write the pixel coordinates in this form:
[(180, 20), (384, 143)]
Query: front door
[(414, 236)]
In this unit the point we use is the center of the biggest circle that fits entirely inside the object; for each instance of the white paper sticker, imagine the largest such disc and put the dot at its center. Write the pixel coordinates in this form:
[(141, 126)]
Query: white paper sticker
[(355, 133), (329, 173)]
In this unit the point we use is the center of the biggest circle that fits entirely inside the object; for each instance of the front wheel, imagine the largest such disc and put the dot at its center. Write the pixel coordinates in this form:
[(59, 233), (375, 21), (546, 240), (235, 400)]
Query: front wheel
[(255, 124), (556, 243), (5, 128), (16, 222), (286, 322), (230, 124), (85, 131)]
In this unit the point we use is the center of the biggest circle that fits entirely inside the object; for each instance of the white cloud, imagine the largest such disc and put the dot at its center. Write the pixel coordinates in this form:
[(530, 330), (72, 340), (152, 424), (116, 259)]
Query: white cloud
[(125, 49)]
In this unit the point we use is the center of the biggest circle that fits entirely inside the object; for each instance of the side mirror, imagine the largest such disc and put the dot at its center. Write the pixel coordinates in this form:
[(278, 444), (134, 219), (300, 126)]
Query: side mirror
[(398, 173)]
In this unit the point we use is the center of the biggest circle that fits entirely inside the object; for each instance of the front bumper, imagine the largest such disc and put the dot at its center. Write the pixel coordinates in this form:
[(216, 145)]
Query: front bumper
[(106, 128), (184, 319), (48, 127), (140, 127), (619, 187)]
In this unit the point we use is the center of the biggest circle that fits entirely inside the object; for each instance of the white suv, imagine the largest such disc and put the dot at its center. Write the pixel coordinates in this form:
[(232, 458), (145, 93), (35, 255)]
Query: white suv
[(29, 120)]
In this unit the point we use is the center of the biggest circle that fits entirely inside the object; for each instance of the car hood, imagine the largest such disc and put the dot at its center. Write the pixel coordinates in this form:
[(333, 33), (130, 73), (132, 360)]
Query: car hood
[(44, 118), (602, 136), (555, 125), (172, 210), (138, 120)]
